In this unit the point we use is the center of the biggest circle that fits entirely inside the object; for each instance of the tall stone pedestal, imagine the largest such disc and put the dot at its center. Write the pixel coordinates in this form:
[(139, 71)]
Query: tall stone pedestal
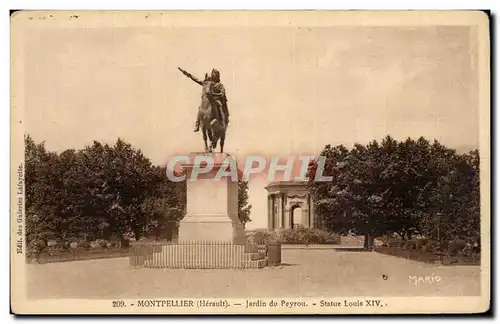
[(212, 204)]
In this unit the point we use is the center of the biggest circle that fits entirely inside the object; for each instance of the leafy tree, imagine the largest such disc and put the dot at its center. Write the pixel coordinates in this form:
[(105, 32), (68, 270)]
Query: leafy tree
[(40, 204), (95, 192), (456, 202), (244, 208), (330, 203), (398, 187), (166, 207)]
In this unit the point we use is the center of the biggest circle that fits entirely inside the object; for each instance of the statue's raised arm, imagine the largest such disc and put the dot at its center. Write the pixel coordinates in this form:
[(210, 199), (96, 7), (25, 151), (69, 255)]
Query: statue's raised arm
[(189, 75)]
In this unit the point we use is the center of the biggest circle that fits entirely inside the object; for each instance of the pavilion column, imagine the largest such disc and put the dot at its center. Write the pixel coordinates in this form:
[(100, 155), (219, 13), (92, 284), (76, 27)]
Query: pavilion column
[(275, 212), (270, 214), (306, 220), (287, 218), (310, 213), (279, 215)]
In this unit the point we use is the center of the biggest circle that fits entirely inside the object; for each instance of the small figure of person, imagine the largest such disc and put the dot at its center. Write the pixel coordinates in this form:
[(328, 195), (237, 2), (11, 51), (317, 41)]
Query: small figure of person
[(218, 93)]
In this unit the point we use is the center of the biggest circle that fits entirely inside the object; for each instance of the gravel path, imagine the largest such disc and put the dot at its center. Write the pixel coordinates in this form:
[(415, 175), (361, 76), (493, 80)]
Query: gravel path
[(317, 273)]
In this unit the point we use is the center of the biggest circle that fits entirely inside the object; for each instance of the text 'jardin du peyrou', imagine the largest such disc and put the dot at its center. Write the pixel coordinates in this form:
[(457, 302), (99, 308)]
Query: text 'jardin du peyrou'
[(322, 303)]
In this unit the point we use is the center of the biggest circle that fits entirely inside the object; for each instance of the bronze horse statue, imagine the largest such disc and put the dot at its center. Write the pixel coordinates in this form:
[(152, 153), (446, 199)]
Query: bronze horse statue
[(212, 129)]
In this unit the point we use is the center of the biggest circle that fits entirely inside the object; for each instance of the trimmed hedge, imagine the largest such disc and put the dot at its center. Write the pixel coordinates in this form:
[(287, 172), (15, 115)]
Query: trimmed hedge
[(430, 251), (304, 235), (430, 257), (78, 254), (300, 235), (262, 237)]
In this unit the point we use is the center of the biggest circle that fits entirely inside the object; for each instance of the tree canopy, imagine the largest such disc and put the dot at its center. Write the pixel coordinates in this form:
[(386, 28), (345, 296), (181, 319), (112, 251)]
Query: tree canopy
[(101, 191), (409, 187)]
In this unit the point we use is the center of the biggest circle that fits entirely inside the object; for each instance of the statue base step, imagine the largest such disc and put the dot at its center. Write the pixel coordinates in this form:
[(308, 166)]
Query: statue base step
[(215, 228)]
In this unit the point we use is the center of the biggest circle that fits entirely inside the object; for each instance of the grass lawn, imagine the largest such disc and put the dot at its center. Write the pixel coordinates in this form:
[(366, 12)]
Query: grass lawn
[(316, 273)]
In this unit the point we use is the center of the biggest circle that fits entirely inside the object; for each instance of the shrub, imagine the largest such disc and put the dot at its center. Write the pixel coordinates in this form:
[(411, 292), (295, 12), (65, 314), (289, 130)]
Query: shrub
[(299, 235), (420, 243), (84, 244), (303, 235), (262, 237), (385, 240), (52, 243), (102, 243), (35, 247), (396, 243), (430, 246), (456, 247), (410, 245)]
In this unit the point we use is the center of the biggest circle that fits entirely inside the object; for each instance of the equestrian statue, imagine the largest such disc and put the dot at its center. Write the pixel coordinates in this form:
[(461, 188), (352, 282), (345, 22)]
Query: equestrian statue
[(213, 114)]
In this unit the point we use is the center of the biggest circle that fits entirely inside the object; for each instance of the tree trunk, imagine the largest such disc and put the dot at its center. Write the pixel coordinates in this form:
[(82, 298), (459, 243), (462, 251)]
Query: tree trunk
[(369, 239), (137, 233)]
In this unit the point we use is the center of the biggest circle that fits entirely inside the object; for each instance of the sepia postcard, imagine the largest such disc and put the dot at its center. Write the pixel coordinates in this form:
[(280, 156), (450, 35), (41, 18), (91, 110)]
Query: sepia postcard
[(250, 162)]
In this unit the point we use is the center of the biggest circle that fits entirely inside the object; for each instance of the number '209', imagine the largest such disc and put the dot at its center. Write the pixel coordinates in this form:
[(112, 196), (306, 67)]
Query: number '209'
[(118, 303)]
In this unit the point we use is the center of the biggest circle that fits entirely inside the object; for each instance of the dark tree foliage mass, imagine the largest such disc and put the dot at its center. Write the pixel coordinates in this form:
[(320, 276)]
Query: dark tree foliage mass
[(102, 191), (409, 188)]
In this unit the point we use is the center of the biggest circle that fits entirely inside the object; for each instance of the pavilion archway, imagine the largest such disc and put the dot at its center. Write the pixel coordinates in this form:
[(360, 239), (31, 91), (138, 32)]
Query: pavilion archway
[(289, 204)]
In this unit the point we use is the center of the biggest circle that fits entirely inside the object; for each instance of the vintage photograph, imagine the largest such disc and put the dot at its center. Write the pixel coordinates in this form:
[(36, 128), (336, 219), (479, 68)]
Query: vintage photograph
[(239, 162)]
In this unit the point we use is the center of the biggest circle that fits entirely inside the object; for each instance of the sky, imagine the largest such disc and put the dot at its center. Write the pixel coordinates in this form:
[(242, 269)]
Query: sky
[(291, 90)]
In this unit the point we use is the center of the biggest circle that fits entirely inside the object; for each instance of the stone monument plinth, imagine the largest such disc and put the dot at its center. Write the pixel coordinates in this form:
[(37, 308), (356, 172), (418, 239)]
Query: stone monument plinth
[(212, 202)]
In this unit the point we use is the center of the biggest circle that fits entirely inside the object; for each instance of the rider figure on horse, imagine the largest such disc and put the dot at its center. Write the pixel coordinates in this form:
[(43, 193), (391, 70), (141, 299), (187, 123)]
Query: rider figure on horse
[(217, 94)]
